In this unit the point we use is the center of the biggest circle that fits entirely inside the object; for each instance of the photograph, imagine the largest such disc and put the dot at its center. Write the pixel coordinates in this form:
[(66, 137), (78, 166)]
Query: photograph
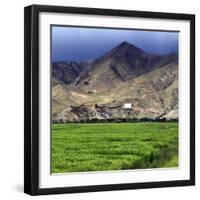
[(114, 99)]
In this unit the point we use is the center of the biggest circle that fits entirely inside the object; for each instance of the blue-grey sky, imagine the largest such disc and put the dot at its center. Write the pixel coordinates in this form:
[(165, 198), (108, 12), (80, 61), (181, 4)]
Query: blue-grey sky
[(77, 44)]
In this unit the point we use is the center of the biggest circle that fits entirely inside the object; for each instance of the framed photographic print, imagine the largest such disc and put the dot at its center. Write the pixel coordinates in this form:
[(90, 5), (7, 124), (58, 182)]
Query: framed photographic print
[(109, 100)]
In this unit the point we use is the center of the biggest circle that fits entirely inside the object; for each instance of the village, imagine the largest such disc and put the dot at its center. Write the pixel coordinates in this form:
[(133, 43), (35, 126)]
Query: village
[(123, 112)]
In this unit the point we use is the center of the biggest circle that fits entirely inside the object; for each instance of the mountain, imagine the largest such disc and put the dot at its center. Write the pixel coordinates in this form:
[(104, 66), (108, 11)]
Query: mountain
[(65, 72), (125, 74), (121, 64)]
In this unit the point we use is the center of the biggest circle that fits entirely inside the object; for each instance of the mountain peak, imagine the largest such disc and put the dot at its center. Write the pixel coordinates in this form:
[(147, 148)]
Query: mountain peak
[(124, 43), (126, 48)]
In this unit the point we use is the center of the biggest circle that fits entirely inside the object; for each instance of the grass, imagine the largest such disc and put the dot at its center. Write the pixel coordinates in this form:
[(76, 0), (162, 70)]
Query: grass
[(113, 146)]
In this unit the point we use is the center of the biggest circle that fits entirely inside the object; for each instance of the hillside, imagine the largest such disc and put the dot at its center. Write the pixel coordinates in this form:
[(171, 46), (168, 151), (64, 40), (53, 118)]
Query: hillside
[(125, 74)]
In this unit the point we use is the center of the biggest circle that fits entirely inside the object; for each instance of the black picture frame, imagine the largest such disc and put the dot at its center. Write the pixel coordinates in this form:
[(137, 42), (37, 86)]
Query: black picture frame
[(31, 99)]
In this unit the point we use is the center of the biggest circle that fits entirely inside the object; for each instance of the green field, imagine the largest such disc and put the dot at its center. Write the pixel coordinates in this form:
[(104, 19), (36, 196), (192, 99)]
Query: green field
[(113, 146)]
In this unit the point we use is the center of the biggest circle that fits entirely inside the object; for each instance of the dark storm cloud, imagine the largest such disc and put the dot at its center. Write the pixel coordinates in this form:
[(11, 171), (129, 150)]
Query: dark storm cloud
[(69, 43)]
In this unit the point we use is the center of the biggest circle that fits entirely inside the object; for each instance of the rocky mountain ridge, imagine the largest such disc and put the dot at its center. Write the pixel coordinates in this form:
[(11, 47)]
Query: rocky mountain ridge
[(99, 89)]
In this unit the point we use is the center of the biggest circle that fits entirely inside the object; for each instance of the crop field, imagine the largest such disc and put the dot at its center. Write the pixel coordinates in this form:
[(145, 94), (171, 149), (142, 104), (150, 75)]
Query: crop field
[(113, 146)]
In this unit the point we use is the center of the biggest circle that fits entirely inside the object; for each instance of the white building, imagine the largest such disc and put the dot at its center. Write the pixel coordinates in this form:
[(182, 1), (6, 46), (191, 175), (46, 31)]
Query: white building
[(127, 106)]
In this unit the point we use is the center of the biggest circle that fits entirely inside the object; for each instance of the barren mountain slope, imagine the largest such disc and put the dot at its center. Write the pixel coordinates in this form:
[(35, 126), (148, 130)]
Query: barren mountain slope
[(119, 65), (126, 74)]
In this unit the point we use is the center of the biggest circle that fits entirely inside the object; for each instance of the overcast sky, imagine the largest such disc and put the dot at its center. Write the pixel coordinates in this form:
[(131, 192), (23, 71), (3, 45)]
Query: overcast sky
[(69, 43)]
